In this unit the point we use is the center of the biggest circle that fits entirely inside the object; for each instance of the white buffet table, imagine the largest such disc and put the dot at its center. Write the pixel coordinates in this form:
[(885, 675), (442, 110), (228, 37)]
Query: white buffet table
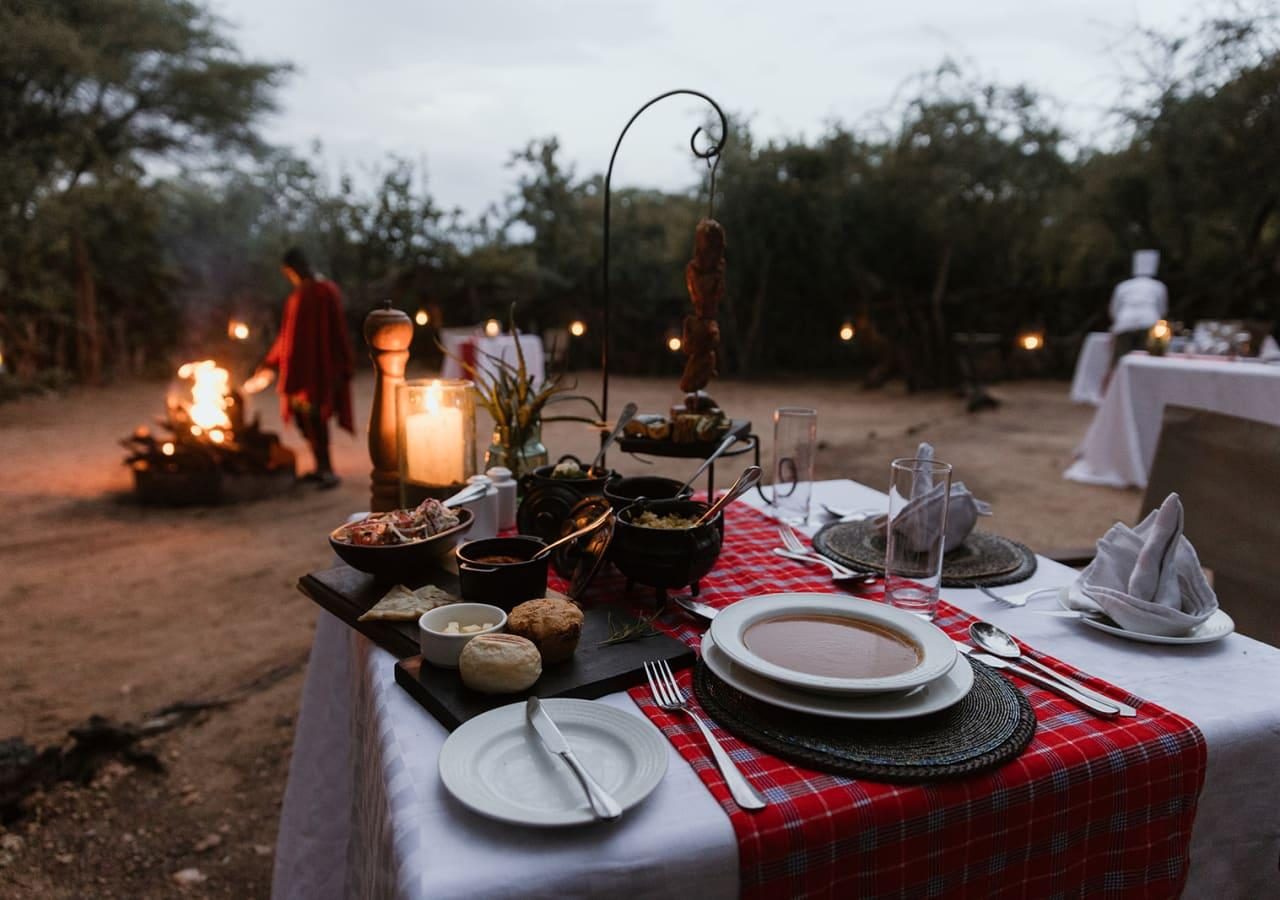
[(1092, 365), (365, 814), (1121, 442), (502, 347)]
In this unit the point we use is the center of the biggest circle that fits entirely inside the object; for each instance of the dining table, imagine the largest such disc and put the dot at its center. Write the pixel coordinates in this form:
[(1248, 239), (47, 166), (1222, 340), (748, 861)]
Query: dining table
[(365, 812), (1088, 382), (479, 350), (1120, 445)]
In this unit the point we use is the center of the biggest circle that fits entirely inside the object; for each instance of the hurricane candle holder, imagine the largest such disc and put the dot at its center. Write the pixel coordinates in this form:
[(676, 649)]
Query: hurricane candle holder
[(435, 437)]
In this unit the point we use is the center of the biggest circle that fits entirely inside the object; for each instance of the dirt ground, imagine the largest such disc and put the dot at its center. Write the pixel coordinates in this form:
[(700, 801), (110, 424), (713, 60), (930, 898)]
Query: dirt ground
[(111, 608)]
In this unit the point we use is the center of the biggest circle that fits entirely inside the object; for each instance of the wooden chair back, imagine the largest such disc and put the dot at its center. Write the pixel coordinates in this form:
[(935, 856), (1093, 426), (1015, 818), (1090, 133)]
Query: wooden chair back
[(1227, 471)]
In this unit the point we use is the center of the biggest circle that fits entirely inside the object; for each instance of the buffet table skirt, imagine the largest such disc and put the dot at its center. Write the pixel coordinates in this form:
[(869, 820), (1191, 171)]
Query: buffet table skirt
[(1120, 445), (392, 831), (1091, 368)]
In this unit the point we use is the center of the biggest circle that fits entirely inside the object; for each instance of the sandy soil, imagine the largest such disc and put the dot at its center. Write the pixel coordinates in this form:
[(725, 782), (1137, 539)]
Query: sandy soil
[(116, 609)]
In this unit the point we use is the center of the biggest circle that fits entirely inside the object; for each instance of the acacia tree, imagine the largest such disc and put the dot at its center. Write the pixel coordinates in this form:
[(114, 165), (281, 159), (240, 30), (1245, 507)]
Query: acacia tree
[(91, 93)]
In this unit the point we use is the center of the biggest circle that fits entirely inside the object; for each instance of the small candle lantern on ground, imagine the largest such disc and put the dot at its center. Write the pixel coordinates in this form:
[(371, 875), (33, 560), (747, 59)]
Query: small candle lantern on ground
[(435, 436)]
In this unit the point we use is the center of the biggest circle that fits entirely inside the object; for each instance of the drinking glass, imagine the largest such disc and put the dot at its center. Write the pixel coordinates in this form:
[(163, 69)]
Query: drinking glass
[(795, 443), (919, 492)]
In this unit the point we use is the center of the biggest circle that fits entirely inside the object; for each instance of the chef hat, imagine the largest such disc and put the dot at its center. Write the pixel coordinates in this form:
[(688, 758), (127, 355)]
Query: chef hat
[(1146, 262)]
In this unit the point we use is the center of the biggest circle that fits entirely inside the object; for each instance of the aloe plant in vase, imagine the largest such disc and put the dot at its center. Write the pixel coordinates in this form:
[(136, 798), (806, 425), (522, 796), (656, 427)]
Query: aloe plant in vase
[(519, 409)]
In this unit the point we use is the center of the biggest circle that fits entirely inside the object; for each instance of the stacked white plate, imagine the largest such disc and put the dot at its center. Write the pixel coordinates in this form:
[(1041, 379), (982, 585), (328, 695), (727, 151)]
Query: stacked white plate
[(934, 683)]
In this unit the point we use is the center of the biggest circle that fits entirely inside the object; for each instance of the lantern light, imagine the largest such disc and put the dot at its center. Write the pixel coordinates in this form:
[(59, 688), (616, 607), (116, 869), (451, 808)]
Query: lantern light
[(238, 330), (674, 344), (492, 328), (1161, 330), (577, 328), (847, 331), (1032, 340), (167, 448), (423, 318), (196, 431)]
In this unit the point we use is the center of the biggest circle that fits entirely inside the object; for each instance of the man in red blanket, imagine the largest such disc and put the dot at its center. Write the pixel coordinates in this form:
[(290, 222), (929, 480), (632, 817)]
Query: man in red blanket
[(312, 354)]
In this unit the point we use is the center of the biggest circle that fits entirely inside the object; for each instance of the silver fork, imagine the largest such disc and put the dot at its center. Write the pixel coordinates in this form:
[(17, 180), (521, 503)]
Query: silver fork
[(794, 548), (669, 696)]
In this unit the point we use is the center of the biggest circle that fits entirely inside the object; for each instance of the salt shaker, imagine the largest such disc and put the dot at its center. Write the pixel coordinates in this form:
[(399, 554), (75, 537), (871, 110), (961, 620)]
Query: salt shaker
[(506, 486), (485, 510)]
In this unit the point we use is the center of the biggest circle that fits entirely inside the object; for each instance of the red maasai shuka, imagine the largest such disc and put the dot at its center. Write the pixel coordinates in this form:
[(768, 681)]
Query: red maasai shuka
[(1093, 807)]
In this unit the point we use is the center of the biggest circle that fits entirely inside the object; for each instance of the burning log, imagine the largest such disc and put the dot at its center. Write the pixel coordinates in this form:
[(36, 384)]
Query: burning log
[(208, 452)]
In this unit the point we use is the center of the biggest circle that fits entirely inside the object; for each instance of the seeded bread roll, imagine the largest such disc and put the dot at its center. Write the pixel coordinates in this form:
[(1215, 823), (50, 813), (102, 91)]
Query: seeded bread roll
[(553, 625), (499, 664)]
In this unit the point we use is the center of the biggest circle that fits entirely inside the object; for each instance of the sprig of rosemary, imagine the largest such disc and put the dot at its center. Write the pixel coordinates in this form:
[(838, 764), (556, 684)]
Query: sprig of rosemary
[(631, 630)]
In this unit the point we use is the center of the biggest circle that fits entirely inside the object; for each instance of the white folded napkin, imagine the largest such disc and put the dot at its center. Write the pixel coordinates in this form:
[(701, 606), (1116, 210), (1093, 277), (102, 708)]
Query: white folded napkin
[(915, 521), (1148, 578)]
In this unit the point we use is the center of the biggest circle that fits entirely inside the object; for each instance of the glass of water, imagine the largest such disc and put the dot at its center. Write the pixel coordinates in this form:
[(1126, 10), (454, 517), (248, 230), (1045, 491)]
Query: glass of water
[(919, 491), (795, 444)]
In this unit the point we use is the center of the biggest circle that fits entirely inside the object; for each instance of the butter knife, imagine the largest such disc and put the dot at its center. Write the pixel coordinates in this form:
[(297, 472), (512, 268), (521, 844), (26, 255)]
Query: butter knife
[(603, 805)]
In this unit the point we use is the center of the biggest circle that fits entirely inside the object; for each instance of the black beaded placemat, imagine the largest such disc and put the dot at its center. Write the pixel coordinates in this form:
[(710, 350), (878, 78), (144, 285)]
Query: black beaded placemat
[(983, 559), (989, 727)]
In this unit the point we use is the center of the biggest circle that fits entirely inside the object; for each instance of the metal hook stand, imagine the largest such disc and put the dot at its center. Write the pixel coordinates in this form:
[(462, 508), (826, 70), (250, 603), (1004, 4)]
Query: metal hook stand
[(712, 156)]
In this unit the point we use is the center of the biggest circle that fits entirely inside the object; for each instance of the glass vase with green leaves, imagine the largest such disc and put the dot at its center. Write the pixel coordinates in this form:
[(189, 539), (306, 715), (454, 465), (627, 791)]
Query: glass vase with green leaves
[(519, 408)]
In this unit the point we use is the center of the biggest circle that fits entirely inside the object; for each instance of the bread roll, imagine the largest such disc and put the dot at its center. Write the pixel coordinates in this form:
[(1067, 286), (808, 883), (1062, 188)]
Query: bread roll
[(553, 625), (499, 664)]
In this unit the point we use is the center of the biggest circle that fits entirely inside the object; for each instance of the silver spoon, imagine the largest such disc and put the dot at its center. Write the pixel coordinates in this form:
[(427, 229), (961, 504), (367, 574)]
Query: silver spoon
[(749, 478), (585, 529), (715, 454), (628, 413), (998, 642)]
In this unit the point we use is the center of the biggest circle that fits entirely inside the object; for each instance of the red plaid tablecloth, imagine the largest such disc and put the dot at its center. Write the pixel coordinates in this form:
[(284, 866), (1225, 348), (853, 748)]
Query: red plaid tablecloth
[(1093, 807)]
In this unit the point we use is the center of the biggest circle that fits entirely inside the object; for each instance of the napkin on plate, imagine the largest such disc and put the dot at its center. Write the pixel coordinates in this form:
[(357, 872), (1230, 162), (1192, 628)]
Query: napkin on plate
[(1148, 578), (915, 520)]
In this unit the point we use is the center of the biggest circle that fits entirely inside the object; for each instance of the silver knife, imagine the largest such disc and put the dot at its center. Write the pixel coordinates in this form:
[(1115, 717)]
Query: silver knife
[(1107, 708), (603, 805)]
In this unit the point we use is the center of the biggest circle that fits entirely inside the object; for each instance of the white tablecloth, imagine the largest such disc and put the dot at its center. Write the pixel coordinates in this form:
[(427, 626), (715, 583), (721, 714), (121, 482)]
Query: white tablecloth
[(1091, 368), (1121, 442), (365, 815), (503, 347)]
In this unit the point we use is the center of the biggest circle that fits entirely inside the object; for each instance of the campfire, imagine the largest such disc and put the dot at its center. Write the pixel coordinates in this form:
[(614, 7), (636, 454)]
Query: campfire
[(205, 451)]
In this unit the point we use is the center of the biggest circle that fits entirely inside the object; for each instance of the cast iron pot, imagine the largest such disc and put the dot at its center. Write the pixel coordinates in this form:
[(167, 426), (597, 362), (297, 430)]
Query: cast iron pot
[(622, 492), (502, 584), (666, 559), (545, 501)]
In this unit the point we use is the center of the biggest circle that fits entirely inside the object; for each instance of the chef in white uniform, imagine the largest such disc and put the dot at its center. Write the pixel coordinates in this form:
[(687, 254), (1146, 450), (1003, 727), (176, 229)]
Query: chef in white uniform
[(1137, 304)]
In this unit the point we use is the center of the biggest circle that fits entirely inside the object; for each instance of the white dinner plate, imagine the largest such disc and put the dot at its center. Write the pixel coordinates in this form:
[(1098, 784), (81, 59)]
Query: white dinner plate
[(937, 652), (932, 697), (1214, 628), (497, 766)]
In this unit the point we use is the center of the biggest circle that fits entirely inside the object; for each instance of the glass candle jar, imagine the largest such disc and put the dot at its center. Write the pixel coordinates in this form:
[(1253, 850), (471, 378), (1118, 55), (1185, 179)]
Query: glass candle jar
[(435, 437)]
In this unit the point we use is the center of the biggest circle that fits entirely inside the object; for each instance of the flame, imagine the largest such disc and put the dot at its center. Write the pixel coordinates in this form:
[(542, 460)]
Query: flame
[(1161, 330), (434, 397), (210, 394)]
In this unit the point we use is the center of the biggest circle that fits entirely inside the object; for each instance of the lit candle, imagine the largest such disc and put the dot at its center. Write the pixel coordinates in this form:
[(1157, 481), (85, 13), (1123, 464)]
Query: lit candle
[(435, 442)]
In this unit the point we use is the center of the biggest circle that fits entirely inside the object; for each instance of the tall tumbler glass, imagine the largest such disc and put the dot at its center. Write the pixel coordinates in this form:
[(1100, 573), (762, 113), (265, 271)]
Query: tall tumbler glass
[(919, 491), (795, 444)]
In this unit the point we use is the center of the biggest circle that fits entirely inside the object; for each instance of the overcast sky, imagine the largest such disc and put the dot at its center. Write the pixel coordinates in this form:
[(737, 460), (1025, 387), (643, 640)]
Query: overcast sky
[(460, 84)]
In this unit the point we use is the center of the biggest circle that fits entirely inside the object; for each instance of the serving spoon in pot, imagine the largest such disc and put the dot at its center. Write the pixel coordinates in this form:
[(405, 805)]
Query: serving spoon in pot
[(585, 529), (749, 478), (628, 413), (715, 454)]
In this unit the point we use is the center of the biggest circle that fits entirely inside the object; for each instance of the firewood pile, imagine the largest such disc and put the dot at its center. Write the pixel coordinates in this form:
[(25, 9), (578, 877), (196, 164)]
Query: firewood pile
[(203, 450)]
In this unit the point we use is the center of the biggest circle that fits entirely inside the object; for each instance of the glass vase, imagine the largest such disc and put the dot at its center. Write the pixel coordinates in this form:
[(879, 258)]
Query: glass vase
[(520, 452)]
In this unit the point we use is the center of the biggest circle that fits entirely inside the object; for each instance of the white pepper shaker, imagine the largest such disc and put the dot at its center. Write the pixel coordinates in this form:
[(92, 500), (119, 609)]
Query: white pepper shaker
[(506, 485)]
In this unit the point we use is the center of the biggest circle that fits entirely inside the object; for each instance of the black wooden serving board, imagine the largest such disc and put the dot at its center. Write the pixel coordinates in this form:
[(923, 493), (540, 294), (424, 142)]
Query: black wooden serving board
[(740, 428), (593, 671)]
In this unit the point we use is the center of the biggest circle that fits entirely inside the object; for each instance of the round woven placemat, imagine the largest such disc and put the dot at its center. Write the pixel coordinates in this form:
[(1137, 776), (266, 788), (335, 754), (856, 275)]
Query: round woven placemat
[(983, 559), (989, 727)]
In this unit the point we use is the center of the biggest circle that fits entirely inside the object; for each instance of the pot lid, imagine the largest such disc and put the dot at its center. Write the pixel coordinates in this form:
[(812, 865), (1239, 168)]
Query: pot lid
[(580, 560)]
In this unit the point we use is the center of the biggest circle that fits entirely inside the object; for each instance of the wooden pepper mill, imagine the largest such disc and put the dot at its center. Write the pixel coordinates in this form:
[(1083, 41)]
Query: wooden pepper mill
[(388, 332)]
